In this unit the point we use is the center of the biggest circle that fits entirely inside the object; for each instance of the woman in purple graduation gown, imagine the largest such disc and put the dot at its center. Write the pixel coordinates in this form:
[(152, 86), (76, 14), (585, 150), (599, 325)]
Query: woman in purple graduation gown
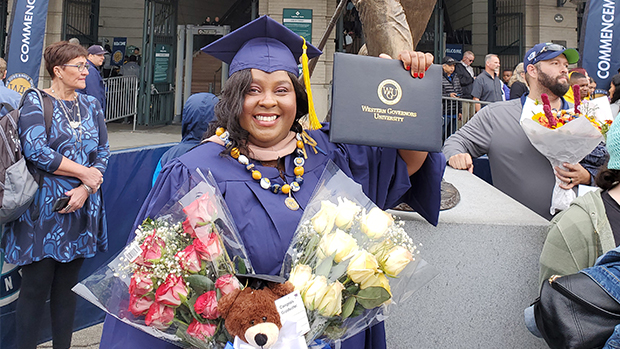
[(260, 108)]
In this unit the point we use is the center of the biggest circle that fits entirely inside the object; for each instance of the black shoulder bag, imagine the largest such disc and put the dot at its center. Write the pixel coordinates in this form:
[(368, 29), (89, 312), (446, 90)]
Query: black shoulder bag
[(574, 312)]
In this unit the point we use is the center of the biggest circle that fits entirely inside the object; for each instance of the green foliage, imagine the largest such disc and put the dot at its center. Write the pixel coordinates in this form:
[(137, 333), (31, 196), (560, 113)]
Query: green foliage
[(200, 283), (352, 289), (325, 266), (240, 265), (359, 309), (183, 314), (190, 305), (348, 307), (372, 297), (338, 270)]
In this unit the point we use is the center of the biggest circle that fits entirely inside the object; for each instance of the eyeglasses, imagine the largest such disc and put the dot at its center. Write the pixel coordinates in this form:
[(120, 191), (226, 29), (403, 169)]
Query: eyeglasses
[(548, 48), (80, 67)]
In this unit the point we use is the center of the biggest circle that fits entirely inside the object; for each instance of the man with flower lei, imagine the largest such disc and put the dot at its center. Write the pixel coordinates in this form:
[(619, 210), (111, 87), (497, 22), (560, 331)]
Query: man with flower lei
[(267, 166), (518, 169)]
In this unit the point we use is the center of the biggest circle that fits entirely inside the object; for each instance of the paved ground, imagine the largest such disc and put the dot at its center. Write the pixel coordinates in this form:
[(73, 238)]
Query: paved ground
[(121, 137)]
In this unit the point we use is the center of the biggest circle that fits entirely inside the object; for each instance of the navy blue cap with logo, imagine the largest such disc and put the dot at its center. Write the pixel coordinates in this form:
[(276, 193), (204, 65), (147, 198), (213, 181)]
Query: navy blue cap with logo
[(261, 44), (97, 50), (546, 50)]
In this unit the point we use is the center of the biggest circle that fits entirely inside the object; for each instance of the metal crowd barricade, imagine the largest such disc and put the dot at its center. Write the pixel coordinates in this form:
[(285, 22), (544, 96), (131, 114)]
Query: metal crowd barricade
[(451, 108), (121, 98)]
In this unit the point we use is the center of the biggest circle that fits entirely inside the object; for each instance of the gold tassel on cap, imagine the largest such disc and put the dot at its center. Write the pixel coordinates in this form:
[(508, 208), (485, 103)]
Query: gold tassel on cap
[(314, 120)]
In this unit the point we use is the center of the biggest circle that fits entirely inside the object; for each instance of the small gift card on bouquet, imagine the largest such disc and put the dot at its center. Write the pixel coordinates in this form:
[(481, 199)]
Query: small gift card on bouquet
[(350, 260), (169, 279)]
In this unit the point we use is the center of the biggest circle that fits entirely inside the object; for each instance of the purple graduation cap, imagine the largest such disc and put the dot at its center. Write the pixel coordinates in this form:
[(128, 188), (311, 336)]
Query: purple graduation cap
[(261, 44)]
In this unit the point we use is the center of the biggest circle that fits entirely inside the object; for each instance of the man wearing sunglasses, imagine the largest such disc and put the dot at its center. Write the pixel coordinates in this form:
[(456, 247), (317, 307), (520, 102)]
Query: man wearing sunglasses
[(518, 169), (94, 81)]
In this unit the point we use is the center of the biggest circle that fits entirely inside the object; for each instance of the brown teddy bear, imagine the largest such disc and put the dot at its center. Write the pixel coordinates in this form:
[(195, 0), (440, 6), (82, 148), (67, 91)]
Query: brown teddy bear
[(251, 314)]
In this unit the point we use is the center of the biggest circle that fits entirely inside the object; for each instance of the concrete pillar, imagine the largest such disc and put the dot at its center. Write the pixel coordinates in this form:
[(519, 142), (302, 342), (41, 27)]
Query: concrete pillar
[(53, 32), (541, 26), (486, 250), (480, 30)]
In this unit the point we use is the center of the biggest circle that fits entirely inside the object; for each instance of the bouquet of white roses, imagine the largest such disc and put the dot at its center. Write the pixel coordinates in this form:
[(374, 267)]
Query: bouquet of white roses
[(168, 280), (350, 260)]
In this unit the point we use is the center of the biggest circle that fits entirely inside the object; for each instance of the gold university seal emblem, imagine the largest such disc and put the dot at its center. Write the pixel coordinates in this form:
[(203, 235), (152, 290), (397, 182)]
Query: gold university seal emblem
[(389, 92)]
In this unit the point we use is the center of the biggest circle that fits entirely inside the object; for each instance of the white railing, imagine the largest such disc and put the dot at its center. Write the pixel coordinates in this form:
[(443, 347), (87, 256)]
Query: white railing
[(121, 98)]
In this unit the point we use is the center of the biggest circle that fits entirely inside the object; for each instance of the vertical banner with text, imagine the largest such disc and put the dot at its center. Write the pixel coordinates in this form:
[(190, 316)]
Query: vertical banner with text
[(118, 51), (26, 44), (600, 41)]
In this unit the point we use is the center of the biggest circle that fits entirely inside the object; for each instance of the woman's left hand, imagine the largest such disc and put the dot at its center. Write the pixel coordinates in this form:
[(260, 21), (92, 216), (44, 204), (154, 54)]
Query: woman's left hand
[(416, 62), (77, 199)]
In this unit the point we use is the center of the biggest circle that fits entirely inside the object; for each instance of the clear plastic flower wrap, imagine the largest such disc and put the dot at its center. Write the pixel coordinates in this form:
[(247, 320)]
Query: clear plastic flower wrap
[(350, 260), (168, 280), (570, 141)]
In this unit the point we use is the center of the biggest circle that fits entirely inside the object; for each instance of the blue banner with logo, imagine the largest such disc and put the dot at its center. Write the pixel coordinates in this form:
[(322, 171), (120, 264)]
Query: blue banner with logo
[(600, 40), (25, 43), (118, 51)]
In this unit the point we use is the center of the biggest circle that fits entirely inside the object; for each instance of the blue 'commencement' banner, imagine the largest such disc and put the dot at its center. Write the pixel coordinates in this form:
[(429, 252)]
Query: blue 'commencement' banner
[(26, 44), (600, 41)]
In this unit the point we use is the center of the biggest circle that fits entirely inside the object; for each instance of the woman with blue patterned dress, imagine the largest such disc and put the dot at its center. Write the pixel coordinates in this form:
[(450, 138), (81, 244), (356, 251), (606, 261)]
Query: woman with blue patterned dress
[(70, 159)]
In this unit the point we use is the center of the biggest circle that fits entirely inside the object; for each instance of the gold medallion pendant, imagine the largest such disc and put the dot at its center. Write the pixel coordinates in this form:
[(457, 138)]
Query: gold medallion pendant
[(291, 203)]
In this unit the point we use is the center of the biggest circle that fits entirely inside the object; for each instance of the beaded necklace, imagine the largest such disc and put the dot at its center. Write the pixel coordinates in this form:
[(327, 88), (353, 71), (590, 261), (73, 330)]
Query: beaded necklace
[(265, 183), (74, 124)]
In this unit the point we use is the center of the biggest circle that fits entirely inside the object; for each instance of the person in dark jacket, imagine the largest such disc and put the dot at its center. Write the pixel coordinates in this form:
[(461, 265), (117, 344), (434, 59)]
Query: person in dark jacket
[(198, 112), (450, 87), (466, 73), (94, 81)]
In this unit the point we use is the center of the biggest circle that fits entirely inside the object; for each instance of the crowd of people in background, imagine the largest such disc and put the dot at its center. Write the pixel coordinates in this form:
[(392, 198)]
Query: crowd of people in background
[(107, 69), (494, 84)]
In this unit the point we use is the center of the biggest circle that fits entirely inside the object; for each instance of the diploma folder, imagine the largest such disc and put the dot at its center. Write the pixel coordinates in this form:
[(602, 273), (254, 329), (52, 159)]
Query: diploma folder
[(376, 102)]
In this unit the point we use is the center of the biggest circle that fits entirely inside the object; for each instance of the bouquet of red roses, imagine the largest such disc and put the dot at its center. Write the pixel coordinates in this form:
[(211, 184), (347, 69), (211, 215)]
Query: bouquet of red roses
[(169, 279)]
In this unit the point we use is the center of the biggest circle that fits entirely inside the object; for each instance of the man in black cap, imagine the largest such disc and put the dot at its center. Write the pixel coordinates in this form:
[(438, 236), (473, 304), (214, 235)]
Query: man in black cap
[(94, 81), (450, 87)]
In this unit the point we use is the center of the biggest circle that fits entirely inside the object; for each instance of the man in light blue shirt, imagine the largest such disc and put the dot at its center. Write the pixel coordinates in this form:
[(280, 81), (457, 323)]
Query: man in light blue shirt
[(7, 95)]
